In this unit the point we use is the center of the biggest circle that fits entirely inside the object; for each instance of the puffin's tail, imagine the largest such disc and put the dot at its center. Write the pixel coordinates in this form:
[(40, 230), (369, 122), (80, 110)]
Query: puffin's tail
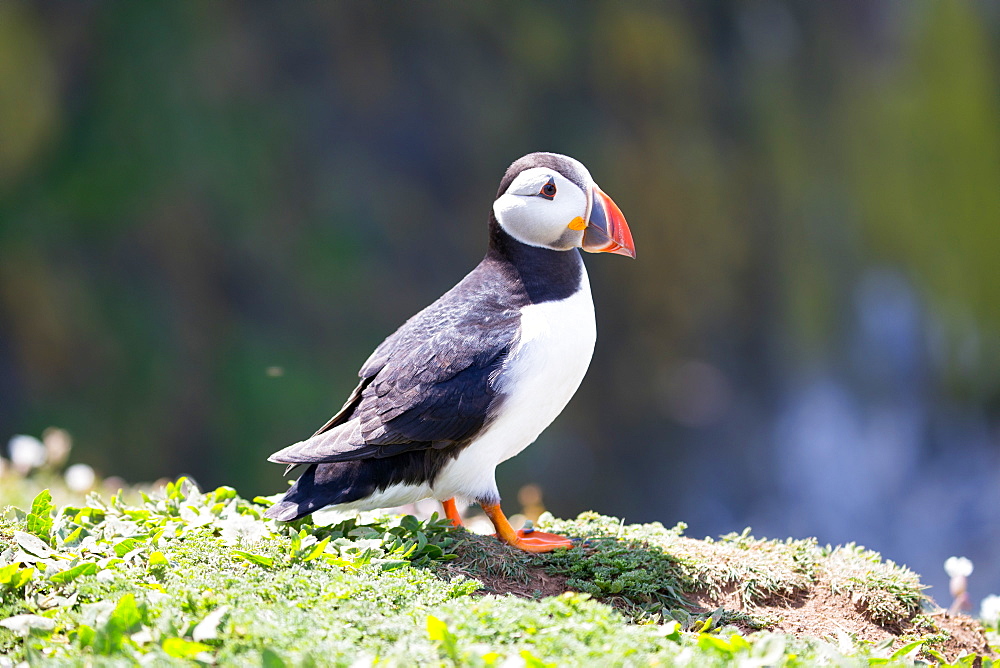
[(321, 485), (332, 483), (309, 493), (285, 511)]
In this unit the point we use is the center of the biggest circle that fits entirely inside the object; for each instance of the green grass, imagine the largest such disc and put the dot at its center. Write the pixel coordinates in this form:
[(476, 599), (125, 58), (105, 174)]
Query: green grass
[(186, 578)]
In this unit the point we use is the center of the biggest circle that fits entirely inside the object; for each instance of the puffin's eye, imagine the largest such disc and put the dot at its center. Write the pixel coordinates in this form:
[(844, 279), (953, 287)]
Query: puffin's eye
[(548, 191)]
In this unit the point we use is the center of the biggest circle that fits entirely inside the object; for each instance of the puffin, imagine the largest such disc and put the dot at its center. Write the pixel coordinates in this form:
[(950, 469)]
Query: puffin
[(474, 378)]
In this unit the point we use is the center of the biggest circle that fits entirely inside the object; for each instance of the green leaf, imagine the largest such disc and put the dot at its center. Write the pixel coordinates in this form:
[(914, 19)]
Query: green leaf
[(908, 648), (317, 550), (432, 552), (157, 559), (84, 635), (437, 630), (70, 574), (40, 518), (89, 515), (739, 643), (74, 537), (936, 655), (126, 615), (22, 578), (179, 648), (438, 633), (270, 659), (334, 560), (393, 564), (126, 546), (13, 577), (709, 641), (224, 493), (175, 490), (532, 661), (125, 619), (258, 559)]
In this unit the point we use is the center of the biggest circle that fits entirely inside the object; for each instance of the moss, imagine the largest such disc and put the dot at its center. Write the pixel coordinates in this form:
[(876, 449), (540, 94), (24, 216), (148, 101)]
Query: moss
[(648, 569), (888, 593), (639, 578)]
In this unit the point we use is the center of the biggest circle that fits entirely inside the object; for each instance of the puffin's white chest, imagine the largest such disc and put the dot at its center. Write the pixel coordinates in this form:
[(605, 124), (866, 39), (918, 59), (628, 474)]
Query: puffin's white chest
[(539, 377)]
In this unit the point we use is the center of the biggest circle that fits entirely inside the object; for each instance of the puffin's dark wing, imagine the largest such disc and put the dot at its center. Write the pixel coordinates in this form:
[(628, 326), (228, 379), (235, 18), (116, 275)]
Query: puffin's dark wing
[(428, 385), (347, 409), (440, 393)]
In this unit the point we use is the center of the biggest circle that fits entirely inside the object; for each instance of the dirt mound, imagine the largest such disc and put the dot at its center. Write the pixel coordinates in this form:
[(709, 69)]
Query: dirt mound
[(793, 587)]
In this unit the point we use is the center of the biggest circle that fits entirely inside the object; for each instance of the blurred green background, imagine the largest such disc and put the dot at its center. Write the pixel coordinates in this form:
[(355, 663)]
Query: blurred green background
[(210, 214)]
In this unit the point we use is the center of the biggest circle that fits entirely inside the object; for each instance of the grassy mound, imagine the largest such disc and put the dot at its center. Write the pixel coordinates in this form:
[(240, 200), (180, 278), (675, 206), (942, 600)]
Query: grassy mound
[(184, 577)]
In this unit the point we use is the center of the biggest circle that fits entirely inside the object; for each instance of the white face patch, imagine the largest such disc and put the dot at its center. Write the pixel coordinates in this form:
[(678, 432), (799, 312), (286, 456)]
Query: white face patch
[(528, 214)]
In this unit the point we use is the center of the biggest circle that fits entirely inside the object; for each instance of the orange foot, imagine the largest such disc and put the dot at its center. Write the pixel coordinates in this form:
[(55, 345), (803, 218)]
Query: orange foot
[(529, 541), (539, 541)]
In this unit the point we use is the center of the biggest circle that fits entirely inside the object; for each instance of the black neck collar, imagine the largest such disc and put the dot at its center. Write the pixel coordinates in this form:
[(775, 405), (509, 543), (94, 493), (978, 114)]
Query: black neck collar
[(545, 274)]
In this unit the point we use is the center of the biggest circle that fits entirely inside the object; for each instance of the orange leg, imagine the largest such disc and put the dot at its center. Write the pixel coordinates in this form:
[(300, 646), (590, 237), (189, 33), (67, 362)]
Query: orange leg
[(533, 541), (451, 512)]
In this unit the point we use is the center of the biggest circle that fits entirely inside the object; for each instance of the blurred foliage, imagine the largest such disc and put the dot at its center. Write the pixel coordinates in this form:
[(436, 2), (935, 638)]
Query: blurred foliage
[(211, 213)]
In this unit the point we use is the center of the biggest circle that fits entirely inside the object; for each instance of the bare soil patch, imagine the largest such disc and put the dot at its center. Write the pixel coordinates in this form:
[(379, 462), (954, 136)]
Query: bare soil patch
[(819, 613)]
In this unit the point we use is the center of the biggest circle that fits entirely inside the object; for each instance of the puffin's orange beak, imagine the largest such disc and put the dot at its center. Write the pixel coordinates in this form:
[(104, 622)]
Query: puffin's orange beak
[(607, 231)]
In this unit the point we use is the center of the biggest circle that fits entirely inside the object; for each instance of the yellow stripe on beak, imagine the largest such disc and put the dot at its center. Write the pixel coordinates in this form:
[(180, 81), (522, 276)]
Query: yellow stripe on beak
[(577, 223)]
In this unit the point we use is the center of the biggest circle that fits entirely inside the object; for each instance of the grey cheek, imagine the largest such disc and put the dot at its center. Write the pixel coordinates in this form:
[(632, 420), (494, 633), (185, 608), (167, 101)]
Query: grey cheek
[(568, 239)]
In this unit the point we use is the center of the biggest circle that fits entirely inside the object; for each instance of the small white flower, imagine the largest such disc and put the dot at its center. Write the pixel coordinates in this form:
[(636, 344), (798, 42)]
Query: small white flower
[(989, 611), (26, 453), (196, 517), (142, 637), (115, 526), (155, 597), (80, 478), (57, 445), (958, 567), (238, 529), (364, 661), (208, 628)]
